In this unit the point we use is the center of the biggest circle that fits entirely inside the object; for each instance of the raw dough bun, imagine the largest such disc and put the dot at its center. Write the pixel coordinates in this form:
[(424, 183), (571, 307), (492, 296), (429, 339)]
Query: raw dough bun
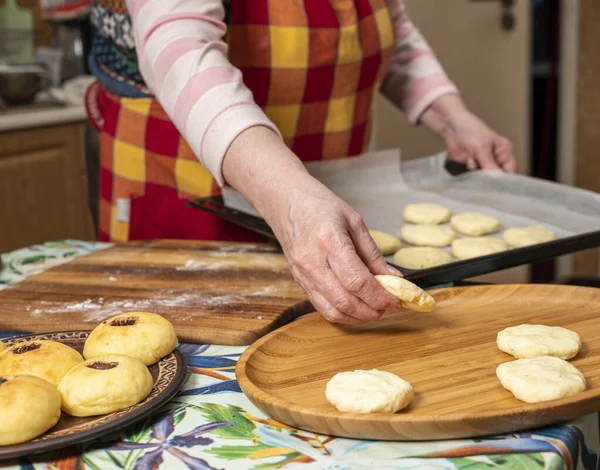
[(473, 247), (30, 406), (526, 236), (49, 360), (540, 378), (368, 391), (426, 213), (145, 336), (421, 257), (474, 225), (411, 296), (104, 384), (386, 242), (428, 235), (526, 341)]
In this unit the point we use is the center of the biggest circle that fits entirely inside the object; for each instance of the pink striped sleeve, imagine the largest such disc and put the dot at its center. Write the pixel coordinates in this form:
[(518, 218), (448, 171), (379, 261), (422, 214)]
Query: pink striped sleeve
[(415, 78), (183, 59)]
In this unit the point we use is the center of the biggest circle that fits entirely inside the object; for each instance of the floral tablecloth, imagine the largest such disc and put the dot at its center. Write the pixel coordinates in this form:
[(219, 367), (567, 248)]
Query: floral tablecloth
[(211, 424)]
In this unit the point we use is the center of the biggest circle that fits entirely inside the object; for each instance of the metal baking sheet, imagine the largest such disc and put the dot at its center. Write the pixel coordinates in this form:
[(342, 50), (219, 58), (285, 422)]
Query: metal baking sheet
[(378, 186)]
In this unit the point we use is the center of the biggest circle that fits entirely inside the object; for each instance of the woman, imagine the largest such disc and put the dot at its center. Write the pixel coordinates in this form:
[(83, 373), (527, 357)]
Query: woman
[(248, 89)]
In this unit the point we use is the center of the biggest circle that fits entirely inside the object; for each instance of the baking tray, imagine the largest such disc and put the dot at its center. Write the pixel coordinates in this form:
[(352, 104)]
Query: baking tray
[(378, 186)]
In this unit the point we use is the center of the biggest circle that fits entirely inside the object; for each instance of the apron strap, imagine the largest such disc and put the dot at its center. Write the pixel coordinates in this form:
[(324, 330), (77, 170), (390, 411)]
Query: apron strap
[(93, 105)]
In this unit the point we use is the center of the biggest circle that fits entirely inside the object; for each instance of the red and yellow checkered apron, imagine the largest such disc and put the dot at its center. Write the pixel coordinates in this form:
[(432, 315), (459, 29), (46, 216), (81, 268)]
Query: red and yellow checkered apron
[(314, 66)]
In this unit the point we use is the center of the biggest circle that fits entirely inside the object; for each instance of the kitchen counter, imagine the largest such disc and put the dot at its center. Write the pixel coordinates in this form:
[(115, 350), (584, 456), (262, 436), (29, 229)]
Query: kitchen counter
[(27, 117), (211, 424)]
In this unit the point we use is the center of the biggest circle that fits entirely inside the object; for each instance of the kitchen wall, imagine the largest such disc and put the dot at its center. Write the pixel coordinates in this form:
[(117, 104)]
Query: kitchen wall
[(587, 151)]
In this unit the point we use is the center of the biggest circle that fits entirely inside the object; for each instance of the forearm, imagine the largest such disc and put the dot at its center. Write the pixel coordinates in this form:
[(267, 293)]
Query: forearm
[(415, 78), (261, 167), (440, 116)]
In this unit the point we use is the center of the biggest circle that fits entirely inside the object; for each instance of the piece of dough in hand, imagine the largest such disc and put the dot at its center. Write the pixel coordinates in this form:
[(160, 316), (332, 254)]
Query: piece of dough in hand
[(29, 407), (386, 242), (411, 295), (474, 247), (527, 236), (145, 336), (426, 213), (474, 224), (540, 379), (527, 341), (104, 384), (368, 391), (421, 257), (48, 360), (428, 235)]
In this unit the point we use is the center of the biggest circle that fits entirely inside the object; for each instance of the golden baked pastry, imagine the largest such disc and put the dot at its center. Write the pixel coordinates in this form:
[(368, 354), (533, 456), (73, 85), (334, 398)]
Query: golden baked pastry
[(145, 336), (104, 384), (49, 360), (29, 407)]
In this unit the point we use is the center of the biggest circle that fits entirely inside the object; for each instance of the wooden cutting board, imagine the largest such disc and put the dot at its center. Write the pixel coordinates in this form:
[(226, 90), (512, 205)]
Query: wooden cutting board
[(213, 292), (450, 357)]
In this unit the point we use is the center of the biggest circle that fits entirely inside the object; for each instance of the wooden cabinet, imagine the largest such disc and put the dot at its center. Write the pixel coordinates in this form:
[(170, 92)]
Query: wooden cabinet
[(43, 186)]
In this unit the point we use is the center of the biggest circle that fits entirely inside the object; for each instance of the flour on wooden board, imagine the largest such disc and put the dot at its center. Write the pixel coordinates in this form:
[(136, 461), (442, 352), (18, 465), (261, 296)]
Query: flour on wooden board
[(239, 248), (97, 310), (230, 260)]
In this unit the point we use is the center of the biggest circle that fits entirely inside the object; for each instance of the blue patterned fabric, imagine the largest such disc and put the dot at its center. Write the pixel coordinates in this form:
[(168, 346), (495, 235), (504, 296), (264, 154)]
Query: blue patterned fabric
[(113, 59)]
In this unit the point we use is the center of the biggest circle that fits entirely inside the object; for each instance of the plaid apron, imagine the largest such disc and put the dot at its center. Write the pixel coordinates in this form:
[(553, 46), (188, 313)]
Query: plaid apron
[(314, 66)]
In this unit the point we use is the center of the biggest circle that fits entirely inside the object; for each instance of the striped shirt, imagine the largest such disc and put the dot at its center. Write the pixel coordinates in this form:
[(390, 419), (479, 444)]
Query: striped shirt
[(183, 59)]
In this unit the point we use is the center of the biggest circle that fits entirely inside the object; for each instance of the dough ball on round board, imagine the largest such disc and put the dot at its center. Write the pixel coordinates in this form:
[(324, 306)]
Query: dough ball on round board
[(540, 378), (145, 336), (104, 384), (29, 407), (474, 224), (386, 242), (421, 257), (411, 295), (426, 213), (474, 247), (49, 360), (428, 235), (527, 341), (368, 391), (527, 236)]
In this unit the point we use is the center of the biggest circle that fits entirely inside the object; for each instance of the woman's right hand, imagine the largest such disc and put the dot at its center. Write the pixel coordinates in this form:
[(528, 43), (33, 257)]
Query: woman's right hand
[(331, 254)]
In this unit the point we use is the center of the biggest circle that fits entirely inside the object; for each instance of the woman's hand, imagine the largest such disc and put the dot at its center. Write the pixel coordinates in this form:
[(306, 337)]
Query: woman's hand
[(469, 140), (331, 254), (328, 246)]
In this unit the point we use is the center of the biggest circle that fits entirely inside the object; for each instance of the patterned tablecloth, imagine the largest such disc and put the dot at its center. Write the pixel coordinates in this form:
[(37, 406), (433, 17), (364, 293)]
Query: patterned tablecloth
[(211, 424)]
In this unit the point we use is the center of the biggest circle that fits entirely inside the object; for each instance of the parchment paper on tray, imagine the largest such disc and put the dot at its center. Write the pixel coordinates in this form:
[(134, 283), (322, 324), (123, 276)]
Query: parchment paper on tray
[(378, 186)]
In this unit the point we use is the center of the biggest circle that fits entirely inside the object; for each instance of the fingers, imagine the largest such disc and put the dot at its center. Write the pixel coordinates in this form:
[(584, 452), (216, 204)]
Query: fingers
[(485, 157), (490, 153), (505, 155), (329, 312), (311, 268), (457, 152), (331, 298), (356, 279), (332, 268)]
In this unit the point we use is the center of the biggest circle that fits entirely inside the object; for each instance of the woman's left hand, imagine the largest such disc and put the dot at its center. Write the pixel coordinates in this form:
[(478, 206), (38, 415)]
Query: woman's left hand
[(469, 140)]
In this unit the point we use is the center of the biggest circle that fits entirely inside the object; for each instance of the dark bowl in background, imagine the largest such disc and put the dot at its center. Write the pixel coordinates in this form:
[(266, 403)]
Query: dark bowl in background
[(20, 87)]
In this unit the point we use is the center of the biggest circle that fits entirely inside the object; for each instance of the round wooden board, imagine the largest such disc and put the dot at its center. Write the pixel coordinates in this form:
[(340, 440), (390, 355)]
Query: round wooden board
[(450, 357), (168, 374)]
